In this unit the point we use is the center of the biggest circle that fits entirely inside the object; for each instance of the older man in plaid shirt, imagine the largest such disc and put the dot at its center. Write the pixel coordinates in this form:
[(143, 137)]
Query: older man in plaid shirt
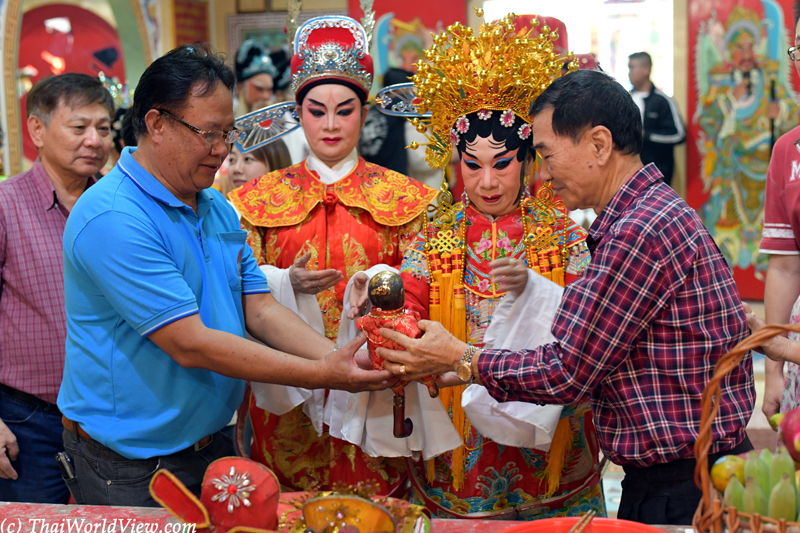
[(69, 121), (640, 332)]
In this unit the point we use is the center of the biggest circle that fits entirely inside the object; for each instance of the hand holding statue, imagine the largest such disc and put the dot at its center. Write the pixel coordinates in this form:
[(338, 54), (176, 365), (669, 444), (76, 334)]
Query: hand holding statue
[(436, 352), (344, 369)]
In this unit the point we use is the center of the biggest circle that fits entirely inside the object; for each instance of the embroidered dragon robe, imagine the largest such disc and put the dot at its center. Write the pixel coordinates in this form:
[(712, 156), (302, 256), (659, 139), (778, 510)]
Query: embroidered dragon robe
[(369, 217)]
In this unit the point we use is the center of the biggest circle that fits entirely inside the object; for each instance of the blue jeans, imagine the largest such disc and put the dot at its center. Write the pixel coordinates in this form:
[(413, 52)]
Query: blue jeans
[(37, 426), (104, 477)]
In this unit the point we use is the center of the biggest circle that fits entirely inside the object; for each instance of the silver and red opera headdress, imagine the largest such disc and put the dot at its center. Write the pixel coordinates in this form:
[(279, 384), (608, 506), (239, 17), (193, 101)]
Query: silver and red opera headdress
[(331, 48)]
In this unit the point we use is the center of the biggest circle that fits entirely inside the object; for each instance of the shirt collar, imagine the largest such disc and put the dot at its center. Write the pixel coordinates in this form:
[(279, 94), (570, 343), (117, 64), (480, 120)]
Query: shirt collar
[(630, 190), (48, 197), (151, 186), (328, 175)]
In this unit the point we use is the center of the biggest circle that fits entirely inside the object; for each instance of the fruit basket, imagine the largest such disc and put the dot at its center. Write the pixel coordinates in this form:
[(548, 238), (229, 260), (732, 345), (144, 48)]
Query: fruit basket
[(712, 516)]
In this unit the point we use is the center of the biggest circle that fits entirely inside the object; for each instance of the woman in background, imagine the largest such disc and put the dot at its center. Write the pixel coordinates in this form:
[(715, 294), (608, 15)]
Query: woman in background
[(245, 167)]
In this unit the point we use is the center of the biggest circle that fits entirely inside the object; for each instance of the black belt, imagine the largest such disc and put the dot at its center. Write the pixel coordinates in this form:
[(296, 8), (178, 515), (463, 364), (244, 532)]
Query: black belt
[(680, 469), (25, 397), (74, 427)]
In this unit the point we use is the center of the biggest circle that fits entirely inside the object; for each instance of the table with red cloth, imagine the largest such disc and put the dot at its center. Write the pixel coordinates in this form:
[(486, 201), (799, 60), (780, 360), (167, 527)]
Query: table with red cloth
[(30, 518)]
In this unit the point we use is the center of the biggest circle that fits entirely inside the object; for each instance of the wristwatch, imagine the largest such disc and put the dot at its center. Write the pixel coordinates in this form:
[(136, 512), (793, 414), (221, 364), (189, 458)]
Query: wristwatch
[(464, 368)]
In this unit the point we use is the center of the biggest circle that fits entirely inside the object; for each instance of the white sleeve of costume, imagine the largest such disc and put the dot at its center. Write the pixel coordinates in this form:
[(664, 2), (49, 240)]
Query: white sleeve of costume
[(366, 418), (518, 323), (280, 399)]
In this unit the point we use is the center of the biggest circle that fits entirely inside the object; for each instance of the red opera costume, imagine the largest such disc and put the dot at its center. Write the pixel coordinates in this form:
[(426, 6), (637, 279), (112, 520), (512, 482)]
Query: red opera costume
[(472, 93), (350, 216), (488, 466), (367, 218)]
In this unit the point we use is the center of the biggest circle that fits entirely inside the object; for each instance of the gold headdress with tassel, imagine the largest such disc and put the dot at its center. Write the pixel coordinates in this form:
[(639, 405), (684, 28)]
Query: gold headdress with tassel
[(496, 74), (498, 70)]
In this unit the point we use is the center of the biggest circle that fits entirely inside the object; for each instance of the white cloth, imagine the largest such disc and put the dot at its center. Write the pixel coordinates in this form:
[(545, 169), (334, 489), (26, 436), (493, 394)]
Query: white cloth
[(330, 175), (518, 323), (366, 418), (280, 399)]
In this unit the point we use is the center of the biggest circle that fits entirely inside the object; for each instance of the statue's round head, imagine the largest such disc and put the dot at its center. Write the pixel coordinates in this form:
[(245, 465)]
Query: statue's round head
[(386, 291)]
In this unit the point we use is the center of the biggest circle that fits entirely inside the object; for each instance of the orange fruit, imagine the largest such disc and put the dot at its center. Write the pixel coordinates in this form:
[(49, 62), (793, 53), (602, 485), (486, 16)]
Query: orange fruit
[(724, 468)]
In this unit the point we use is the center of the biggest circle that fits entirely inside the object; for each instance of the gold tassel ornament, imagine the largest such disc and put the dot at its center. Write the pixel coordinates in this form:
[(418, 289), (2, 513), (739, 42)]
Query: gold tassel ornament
[(559, 447), (458, 318), (446, 292), (460, 453), (544, 264), (557, 268), (430, 470)]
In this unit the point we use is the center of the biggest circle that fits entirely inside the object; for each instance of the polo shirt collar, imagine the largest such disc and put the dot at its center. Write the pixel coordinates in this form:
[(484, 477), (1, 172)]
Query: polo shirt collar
[(48, 196), (154, 188), (630, 190)]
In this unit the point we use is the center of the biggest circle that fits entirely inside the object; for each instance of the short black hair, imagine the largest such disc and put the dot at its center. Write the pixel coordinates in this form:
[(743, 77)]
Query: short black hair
[(642, 56), (71, 89), (189, 70), (588, 98)]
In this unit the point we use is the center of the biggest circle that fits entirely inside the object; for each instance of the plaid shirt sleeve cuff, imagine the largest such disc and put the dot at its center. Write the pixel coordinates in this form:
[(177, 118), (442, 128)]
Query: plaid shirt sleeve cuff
[(488, 363)]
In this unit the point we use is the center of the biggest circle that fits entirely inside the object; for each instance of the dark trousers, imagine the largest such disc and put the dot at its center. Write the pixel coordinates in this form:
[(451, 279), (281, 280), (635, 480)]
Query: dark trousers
[(37, 426), (665, 493), (104, 477)]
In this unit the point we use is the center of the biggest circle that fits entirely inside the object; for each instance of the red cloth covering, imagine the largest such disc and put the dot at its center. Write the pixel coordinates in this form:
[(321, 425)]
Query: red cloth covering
[(405, 323)]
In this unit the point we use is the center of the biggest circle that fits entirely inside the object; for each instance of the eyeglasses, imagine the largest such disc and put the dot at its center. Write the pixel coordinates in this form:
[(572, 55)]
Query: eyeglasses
[(211, 137), (794, 53)]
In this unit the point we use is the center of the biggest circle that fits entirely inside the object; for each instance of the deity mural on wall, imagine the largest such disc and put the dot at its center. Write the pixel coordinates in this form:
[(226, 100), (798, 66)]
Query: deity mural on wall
[(740, 100)]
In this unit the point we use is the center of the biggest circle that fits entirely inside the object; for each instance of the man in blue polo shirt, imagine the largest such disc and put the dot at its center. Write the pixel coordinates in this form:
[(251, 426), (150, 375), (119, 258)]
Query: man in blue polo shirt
[(160, 286)]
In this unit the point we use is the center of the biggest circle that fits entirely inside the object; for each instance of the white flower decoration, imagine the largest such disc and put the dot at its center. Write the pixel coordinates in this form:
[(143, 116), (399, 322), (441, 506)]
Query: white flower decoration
[(524, 131), (454, 137), (484, 114), (235, 488)]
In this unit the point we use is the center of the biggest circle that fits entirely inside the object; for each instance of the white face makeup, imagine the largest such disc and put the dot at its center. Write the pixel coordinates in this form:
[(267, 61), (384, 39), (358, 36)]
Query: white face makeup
[(491, 176), (332, 117)]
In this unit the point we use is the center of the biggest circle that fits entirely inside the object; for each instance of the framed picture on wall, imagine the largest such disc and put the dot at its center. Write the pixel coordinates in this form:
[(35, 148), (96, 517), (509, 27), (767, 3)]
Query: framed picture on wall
[(268, 28)]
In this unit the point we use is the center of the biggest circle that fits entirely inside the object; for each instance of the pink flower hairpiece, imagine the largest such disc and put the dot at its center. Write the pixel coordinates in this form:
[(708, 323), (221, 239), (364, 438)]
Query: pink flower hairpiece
[(507, 118)]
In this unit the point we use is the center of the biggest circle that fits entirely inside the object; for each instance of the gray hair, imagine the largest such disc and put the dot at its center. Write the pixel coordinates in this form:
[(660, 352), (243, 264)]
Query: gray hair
[(69, 89)]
